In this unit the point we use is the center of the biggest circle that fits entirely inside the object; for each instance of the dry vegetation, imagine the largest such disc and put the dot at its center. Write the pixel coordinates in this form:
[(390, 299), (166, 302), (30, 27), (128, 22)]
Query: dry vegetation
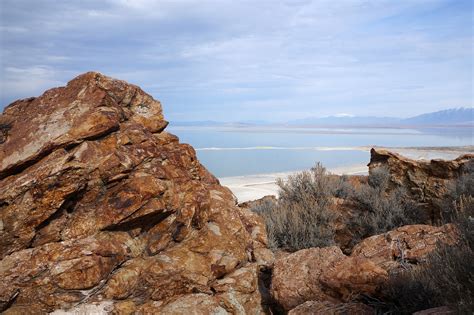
[(447, 277), (381, 209), (302, 218), (304, 215)]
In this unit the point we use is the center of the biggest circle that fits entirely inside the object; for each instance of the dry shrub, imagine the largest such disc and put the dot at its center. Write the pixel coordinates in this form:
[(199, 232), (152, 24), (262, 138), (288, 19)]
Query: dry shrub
[(302, 218), (445, 279), (458, 192), (382, 209)]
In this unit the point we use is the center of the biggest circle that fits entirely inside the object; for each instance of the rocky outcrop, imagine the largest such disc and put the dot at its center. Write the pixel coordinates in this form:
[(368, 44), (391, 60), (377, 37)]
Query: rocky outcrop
[(325, 281), (427, 182), (323, 274), (101, 209), (410, 244)]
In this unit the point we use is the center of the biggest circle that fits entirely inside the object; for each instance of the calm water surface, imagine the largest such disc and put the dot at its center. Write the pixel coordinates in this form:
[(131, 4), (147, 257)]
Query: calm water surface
[(247, 151)]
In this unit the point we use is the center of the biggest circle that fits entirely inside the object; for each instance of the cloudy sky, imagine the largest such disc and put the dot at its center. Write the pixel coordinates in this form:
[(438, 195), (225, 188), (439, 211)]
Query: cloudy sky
[(249, 60)]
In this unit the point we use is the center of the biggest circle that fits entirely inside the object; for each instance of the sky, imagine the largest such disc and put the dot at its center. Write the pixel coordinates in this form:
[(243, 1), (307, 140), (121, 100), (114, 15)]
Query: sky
[(245, 60)]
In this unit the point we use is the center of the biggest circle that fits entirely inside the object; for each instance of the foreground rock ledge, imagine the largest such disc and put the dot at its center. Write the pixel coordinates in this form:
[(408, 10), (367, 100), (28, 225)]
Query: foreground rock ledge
[(102, 210), (325, 281)]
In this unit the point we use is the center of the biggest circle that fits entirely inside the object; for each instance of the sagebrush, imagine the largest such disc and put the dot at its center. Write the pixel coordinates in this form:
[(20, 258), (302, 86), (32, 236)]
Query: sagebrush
[(302, 217), (447, 276), (382, 208)]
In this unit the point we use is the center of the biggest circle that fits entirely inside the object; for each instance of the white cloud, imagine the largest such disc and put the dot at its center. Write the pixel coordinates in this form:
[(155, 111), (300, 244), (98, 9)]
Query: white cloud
[(12, 29), (343, 115), (30, 81), (323, 56)]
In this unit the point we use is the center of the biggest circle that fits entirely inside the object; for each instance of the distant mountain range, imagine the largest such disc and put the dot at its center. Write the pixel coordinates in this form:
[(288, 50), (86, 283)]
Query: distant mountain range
[(454, 116), (463, 116)]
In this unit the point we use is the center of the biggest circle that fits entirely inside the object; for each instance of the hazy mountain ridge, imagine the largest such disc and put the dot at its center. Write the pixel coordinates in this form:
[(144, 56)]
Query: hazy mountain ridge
[(463, 116), (354, 120)]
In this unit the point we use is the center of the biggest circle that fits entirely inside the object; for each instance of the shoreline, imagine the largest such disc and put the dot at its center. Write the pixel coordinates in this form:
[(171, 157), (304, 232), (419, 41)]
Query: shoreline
[(252, 187), (255, 186)]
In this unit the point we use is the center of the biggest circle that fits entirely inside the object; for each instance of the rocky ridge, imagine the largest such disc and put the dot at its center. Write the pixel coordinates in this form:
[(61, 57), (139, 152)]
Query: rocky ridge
[(427, 182), (100, 208)]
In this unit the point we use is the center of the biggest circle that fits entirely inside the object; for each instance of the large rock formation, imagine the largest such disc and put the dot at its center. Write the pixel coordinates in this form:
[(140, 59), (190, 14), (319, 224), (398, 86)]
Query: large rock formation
[(102, 210), (427, 182)]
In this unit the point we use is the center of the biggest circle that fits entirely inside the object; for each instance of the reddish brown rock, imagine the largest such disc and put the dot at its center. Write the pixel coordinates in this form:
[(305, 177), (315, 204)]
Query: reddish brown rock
[(296, 277), (254, 225), (270, 199), (407, 244), (323, 308), (101, 208), (325, 275), (193, 304), (427, 182), (264, 257), (239, 291), (353, 276)]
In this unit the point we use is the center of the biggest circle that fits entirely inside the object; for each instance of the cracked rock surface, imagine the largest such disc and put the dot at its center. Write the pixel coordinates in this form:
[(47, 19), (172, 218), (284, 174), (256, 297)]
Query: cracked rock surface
[(102, 210)]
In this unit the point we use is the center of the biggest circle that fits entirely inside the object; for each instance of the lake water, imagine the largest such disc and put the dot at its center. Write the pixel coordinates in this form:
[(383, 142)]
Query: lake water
[(248, 151)]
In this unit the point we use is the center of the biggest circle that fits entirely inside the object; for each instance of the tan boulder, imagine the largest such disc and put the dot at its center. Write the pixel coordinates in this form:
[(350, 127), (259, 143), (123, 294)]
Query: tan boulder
[(323, 274), (407, 244), (239, 291), (255, 225), (296, 277), (193, 304), (264, 257), (353, 276)]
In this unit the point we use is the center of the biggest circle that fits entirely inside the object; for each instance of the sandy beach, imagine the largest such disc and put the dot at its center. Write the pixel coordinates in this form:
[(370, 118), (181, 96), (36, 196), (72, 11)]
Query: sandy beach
[(251, 187)]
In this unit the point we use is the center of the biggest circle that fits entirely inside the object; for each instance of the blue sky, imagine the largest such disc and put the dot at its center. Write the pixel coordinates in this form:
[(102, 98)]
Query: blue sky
[(248, 60)]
